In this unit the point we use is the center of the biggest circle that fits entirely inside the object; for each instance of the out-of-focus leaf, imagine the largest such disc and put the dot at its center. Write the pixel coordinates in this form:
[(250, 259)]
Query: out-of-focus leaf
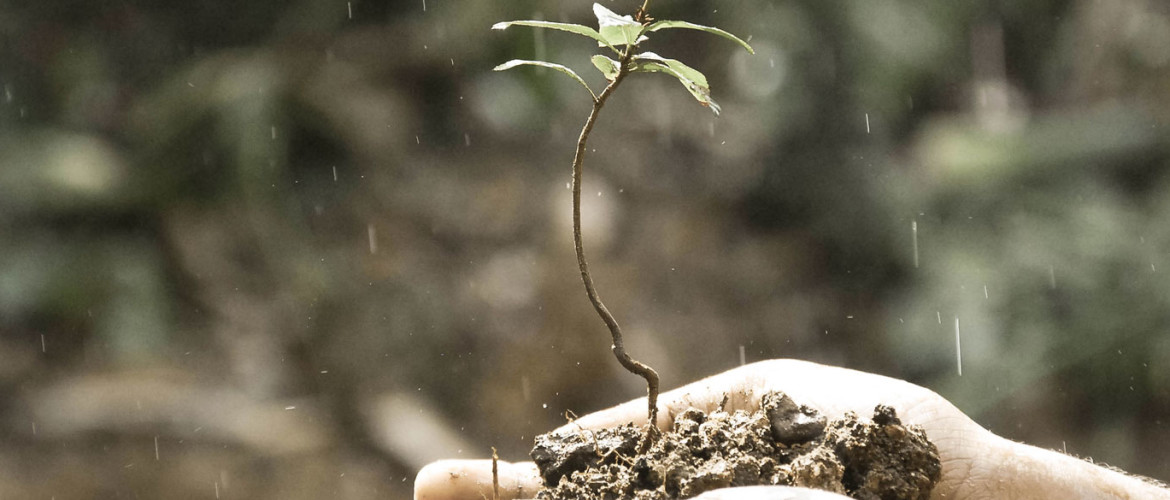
[(692, 79), (563, 69), (607, 66), (617, 30), (71, 172), (662, 25)]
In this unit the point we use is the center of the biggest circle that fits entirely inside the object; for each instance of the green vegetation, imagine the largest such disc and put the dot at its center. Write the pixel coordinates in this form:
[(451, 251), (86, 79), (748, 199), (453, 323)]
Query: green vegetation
[(616, 31)]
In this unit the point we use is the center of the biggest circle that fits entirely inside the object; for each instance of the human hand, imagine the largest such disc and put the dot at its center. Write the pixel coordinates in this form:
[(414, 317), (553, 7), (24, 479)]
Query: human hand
[(976, 464)]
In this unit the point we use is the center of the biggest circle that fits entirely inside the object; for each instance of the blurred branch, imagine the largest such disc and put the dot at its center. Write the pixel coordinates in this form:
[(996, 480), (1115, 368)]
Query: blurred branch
[(957, 152), (149, 402)]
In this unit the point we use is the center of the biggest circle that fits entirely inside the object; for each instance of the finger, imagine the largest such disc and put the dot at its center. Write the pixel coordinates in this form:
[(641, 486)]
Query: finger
[(472, 480), (769, 493)]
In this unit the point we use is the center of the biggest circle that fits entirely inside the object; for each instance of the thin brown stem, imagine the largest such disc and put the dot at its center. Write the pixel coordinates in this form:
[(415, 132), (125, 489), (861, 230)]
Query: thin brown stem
[(495, 475), (641, 15), (619, 348)]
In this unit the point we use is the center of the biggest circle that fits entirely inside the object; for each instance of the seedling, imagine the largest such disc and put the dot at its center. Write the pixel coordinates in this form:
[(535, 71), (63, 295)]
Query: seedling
[(621, 35)]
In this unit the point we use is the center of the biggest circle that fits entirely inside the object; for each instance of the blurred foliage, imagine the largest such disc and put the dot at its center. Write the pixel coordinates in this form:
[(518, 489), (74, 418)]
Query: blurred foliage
[(296, 250)]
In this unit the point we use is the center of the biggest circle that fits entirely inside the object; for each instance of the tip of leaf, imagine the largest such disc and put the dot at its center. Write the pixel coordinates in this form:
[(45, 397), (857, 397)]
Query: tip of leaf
[(712, 106), (500, 25)]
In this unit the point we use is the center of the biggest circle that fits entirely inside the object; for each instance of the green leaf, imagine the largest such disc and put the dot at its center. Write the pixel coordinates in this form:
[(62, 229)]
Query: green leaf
[(520, 62), (571, 28), (692, 79), (607, 66), (662, 25), (615, 29)]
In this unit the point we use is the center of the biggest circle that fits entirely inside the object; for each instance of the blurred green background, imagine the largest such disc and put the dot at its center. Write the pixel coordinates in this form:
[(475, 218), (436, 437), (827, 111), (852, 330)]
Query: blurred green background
[(299, 249)]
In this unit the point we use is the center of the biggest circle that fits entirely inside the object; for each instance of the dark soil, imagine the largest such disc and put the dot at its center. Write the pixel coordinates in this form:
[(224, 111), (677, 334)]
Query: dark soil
[(782, 443)]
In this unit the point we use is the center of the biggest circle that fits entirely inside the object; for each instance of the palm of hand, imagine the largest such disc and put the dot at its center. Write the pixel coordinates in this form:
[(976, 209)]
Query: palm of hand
[(962, 444)]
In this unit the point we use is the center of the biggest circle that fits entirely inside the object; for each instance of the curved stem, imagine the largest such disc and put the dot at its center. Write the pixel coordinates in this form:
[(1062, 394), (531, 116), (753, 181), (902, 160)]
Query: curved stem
[(619, 348)]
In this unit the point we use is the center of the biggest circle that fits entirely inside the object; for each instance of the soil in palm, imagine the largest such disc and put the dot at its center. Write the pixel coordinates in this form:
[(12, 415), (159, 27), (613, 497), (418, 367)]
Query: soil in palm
[(781, 443)]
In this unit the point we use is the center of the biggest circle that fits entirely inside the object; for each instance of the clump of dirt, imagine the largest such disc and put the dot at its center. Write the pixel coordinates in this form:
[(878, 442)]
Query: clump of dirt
[(782, 443)]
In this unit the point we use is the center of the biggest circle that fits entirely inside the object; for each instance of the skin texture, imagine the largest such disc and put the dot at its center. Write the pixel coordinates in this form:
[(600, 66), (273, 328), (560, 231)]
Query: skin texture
[(977, 465)]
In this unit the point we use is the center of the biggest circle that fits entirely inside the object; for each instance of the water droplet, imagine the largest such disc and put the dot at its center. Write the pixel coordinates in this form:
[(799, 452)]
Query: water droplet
[(958, 348)]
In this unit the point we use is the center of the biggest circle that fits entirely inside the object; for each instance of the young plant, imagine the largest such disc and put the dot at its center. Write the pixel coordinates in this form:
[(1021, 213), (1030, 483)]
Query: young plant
[(621, 35)]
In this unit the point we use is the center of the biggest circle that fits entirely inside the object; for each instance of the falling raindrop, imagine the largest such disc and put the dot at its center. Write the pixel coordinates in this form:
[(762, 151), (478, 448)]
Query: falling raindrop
[(958, 348), (373, 237), (867, 123), (914, 236), (742, 356)]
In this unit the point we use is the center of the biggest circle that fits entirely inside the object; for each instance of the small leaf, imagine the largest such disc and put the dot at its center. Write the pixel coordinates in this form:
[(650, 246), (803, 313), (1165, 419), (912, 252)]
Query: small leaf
[(563, 69), (571, 28), (607, 66), (661, 25), (676, 66), (692, 79), (615, 29)]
